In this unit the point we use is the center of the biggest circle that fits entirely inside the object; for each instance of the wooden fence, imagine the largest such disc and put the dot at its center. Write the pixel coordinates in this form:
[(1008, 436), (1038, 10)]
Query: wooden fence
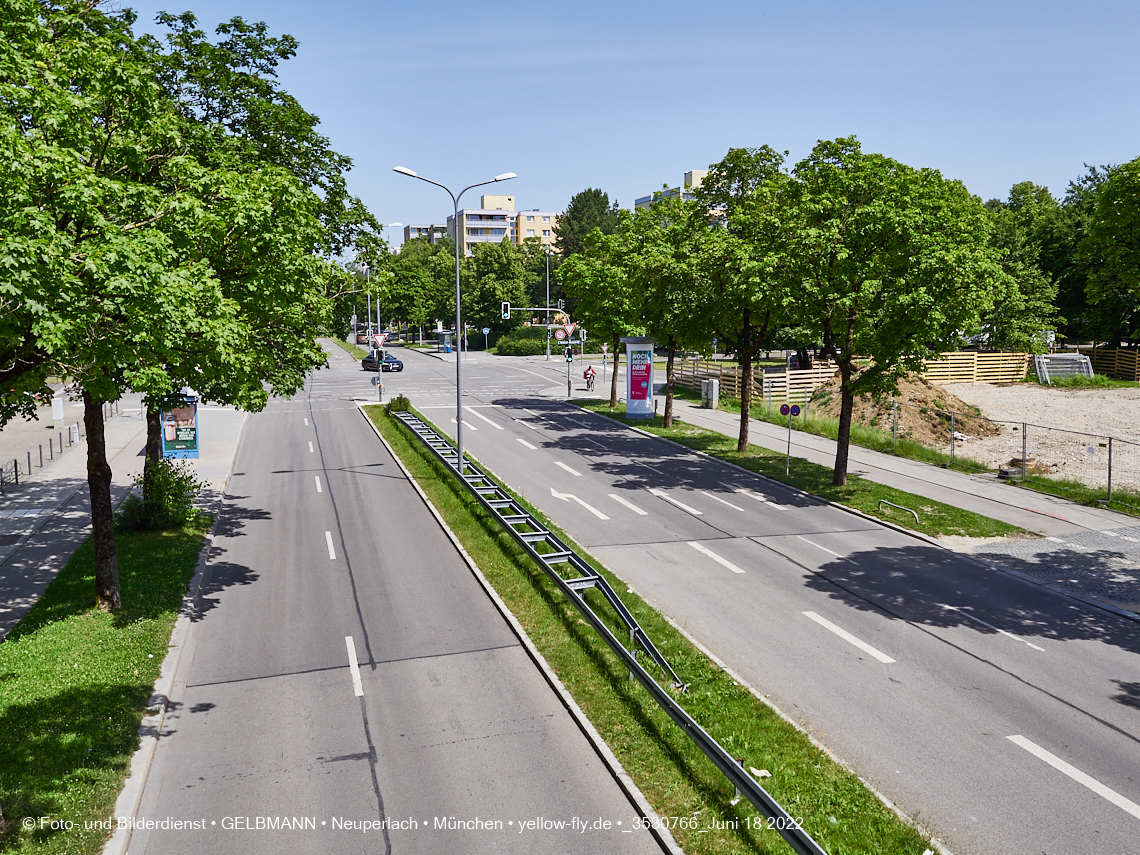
[(798, 386), (1120, 362)]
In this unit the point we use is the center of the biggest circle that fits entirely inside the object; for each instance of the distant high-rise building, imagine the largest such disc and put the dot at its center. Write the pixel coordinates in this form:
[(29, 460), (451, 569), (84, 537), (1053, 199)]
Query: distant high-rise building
[(693, 179)]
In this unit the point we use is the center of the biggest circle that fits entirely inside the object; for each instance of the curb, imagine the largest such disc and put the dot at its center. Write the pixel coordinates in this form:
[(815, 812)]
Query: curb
[(150, 729), (627, 785)]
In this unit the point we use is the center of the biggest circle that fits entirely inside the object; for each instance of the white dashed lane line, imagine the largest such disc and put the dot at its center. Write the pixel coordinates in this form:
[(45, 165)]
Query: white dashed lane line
[(559, 463), (825, 549), (524, 442), (849, 638), (722, 561), (663, 495), (722, 501), (1077, 775), (628, 504)]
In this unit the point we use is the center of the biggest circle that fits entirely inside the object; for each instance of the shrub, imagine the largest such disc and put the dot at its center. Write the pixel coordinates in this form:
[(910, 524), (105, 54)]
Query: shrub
[(168, 491), (399, 404), (522, 347)]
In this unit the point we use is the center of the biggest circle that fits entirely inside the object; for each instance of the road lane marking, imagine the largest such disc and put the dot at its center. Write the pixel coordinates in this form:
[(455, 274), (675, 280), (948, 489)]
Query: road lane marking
[(567, 468), (317, 478), (762, 500), (966, 614), (328, 543), (526, 424), (354, 666), (483, 417), (1077, 775), (722, 561), (524, 442), (662, 494), (722, 501), (535, 373), (1055, 539), (566, 497), (652, 469), (1110, 533), (628, 504), (848, 637), (594, 441), (306, 422), (577, 422), (825, 549), (310, 448), (467, 425), (530, 412)]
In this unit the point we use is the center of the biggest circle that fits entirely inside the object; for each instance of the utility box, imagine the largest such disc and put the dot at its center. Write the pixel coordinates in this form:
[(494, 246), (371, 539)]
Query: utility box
[(710, 394)]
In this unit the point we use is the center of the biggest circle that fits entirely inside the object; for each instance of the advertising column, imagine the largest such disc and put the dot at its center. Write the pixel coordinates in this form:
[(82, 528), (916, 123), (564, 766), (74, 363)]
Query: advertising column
[(180, 430), (639, 378)]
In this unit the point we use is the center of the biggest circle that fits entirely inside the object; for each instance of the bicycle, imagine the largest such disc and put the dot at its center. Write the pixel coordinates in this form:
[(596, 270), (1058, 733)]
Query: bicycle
[(590, 379)]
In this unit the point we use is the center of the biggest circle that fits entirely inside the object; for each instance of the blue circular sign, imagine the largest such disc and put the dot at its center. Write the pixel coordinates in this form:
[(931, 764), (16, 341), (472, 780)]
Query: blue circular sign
[(784, 409), (795, 409), (486, 330)]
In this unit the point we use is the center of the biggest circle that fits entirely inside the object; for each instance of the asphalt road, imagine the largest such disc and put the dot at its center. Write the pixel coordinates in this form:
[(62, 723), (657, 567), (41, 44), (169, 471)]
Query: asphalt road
[(350, 687), (1003, 716)]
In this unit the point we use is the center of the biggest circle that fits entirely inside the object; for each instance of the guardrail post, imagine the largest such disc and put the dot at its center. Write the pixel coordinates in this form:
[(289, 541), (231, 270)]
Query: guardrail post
[(1024, 446)]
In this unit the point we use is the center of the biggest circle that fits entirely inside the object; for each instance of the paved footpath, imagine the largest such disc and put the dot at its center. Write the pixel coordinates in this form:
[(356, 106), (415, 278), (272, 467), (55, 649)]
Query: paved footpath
[(47, 516)]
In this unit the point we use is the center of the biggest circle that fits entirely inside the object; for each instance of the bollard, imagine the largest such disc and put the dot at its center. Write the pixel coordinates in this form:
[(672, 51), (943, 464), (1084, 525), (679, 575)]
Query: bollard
[(29, 472), (1109, 499), (1024, 444), (41, 455), (51, 449)]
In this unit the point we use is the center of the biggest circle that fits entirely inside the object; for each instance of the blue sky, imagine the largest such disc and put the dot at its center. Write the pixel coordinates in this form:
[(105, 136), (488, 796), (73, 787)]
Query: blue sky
[(627, 96)]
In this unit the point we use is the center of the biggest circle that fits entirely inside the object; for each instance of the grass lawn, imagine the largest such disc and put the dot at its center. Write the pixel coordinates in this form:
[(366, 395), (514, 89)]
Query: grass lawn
[(75, 683), (357, 352), (836, 808), (935, 518)]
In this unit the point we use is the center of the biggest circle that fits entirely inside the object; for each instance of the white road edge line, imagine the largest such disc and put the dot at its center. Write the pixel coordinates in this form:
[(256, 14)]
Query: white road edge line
[(722, 561), (567, 468), (317, 478), (483, 417), (354, 666), (524, 442), (722, 501), (310, 448), (328, 543), (969, 616), (628, 504), (1077, 775), (663, 495), (825, 549), (848, 637)]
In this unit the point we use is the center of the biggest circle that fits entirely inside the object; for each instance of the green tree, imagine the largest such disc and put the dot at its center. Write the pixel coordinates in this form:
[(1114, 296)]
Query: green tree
[(890, 263), (494, 274), (588, 210), (1111, 251), (598, 280)]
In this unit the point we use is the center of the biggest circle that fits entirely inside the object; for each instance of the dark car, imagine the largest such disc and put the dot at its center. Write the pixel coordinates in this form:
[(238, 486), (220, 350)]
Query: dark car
[(381, 362), (391, 363)]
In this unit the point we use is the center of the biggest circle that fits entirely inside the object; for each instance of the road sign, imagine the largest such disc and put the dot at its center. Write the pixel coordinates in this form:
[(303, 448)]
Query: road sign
[(569, 328), (605, 347), (560, 334), (795, 409), (486, 330), (376, 380), (784, 409)]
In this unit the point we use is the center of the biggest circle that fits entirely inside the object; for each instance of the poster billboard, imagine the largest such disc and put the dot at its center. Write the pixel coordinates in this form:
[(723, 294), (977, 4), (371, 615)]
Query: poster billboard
[(180, 430), (639, 378)]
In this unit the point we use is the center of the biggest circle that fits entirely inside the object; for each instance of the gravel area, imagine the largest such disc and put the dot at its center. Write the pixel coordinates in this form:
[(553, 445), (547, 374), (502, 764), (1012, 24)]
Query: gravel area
[(1067, 434)]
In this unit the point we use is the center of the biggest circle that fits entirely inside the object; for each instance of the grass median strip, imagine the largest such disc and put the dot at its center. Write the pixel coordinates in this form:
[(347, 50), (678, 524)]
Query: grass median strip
[(683, 786), (74, 684), (935, 518)]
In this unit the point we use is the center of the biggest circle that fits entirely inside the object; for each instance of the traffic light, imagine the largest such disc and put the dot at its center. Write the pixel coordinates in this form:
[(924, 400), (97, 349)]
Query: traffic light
[(561, 304), (569, 354), (506, 311)]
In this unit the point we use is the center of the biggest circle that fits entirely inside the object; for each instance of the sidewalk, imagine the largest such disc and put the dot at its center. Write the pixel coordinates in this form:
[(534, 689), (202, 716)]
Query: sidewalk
[(45, 518), (1089, 553)]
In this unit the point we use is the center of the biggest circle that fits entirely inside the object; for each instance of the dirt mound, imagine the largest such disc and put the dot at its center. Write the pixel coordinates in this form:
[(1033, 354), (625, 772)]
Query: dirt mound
[(924, 411)]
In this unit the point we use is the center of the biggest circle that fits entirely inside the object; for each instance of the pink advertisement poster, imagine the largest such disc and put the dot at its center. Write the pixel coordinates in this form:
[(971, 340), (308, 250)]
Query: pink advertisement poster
[(640, 374)]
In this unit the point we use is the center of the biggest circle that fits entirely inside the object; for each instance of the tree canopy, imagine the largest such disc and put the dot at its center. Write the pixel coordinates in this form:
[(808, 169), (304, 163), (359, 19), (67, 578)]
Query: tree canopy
[(588, 210)]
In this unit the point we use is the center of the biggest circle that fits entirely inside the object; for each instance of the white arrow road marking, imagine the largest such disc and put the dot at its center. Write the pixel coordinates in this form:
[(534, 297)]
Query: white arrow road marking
[(354, 666), (762, 500), (310, 448), (567, 468), (722, 501), (722, 561), (628, 504), (662, 494), (848, 637), (524, 442), (825, 549), (567, 497), (317, 478), (328, 543), (969, 616), (468, 425), (483, 417), (1077, 775)]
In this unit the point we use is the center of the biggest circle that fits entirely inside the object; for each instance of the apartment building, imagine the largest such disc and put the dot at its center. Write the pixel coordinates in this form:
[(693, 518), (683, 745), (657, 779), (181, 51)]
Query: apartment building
[(431, 232), (692, 181), (496, 219)]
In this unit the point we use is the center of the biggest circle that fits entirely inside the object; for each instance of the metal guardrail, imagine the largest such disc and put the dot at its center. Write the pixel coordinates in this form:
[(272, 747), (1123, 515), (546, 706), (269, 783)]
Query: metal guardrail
[(901, 508), (530, 533)]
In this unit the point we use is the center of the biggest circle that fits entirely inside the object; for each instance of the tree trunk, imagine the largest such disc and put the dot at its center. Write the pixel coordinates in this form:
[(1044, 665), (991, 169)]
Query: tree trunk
[(745, 381), (102, 512), (803, 358), (614, 379), (153, 447), (669, 384), (843, 439)]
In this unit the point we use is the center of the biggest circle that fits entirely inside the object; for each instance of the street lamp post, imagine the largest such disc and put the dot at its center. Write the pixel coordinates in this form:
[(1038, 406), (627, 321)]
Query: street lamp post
[(506, 176), (548, 304)]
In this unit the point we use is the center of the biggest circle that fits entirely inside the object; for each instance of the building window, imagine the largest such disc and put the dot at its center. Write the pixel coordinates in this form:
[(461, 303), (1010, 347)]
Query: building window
[(497, 232), (530, 219), (530, 232), (546, 219), (546, 232)]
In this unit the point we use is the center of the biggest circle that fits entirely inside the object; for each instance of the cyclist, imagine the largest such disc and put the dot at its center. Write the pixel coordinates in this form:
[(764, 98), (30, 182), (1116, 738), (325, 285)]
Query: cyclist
[(589, 374)]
